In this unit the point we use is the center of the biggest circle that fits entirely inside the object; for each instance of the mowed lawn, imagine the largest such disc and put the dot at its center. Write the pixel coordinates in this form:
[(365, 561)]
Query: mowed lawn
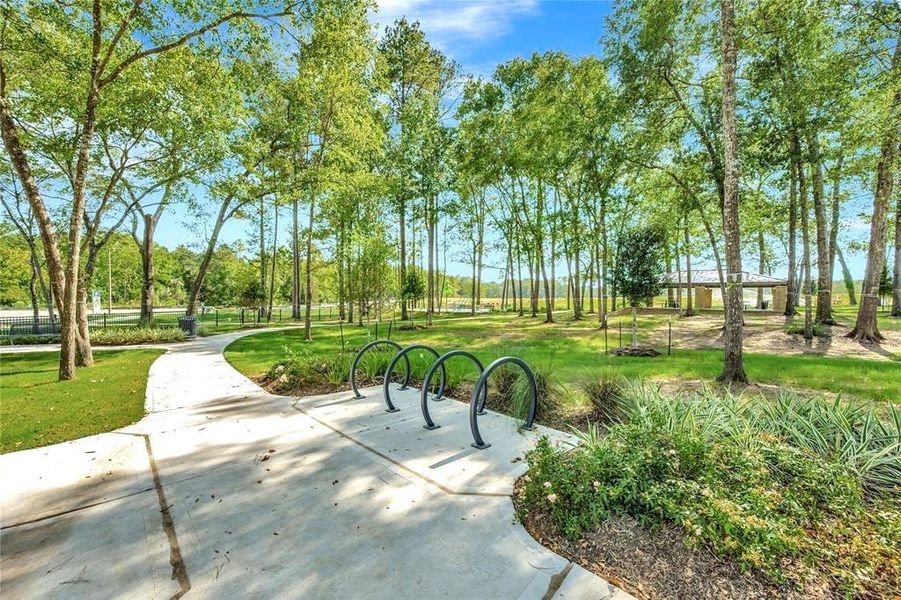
[(575, 353), (36, 409)]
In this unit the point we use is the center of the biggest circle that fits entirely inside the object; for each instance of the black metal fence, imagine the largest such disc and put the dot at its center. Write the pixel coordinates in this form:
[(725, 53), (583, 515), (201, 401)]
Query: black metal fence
[(44, 326)]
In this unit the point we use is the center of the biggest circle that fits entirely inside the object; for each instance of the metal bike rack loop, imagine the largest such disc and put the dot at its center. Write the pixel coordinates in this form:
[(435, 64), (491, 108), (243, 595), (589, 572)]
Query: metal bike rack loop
[(403, 354), (480, 385), (423, 401), (363, 350)]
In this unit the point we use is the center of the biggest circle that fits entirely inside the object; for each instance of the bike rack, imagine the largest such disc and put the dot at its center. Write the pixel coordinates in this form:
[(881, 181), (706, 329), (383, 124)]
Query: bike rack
[(403, 354), (424, 404), (363, 350), (483, 382)]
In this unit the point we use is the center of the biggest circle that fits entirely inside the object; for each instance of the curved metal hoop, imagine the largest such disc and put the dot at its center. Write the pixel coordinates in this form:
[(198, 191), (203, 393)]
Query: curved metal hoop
[(483, 381), (423, 400), (403, 354), (363, 350)]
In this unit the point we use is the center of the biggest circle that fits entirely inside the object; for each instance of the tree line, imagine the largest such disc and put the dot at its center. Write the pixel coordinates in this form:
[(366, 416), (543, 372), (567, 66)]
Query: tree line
[(737, 133)]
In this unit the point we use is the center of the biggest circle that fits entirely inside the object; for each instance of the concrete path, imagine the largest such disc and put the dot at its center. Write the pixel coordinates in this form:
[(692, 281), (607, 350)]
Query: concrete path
[(226, 491)]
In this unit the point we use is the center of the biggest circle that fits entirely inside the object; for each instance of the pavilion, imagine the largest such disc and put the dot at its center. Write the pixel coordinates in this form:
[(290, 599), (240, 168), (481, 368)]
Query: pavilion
[(704, 281)]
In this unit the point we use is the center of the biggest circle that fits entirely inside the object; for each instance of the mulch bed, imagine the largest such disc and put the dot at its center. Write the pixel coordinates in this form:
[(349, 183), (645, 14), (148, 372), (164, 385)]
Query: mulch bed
[(653, 562), (639, 351)]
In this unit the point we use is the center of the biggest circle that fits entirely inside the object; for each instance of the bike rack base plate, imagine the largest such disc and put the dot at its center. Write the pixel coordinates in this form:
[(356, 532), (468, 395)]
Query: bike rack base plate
[(392, 410), (431, 428), (480, 446)]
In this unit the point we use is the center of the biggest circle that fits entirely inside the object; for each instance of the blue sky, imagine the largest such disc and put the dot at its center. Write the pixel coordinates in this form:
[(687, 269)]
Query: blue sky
[(479, 35)]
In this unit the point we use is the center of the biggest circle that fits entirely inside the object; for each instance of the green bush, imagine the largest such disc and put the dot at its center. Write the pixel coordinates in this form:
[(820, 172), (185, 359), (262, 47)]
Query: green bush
[(719, 468), (795, 328), (22, 340), (123, 336), (604, 396), (302, 369)]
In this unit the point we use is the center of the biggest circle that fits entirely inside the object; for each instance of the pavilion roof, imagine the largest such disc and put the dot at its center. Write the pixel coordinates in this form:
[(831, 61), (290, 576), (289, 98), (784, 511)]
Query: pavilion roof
[(710, 277)]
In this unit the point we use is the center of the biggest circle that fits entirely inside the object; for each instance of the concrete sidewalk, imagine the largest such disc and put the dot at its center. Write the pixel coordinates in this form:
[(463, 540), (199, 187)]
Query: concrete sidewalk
[(224, 490)]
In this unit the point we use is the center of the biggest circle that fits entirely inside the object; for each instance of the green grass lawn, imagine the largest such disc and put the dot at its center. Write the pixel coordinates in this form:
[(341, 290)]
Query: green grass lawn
[(36, 409), (574, 352)]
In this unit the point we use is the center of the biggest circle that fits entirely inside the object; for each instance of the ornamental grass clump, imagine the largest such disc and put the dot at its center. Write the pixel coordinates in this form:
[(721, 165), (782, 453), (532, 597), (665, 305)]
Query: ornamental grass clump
[(798, 492)]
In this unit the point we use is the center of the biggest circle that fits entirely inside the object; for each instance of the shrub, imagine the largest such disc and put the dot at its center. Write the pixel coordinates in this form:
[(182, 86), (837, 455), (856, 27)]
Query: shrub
[(301, 369), (818, 330), (510, 392), (123, 336), (604, 396), (738, 480), (21, 340)]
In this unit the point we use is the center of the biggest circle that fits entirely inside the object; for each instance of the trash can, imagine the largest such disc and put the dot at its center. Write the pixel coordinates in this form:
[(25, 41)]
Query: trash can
[(765, 304), (188, 324)]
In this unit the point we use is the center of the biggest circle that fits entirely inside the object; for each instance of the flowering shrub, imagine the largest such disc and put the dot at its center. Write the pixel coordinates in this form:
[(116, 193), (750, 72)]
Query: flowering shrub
[(783, 510)]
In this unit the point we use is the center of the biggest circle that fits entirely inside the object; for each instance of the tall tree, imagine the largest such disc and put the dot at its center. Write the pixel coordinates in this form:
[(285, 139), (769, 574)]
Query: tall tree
[(733, 367), (109, 50)]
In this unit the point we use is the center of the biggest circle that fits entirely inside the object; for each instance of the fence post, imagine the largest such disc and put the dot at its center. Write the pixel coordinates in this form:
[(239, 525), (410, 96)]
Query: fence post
[(620, 333), (320, 312), (104, 320), (217, 316)]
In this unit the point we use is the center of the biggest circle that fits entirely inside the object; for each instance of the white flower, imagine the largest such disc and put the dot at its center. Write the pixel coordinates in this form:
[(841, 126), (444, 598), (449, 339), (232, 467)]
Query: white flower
[(547, 484), (596, 484), (527, 478), (552, 497)]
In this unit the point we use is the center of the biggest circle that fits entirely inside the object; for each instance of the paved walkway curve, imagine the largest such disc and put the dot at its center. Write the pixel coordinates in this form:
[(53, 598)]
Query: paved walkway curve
[(226, 491)]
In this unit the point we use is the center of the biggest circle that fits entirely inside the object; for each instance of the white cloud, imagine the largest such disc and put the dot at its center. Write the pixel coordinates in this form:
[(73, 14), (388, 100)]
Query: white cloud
[(447, 23)]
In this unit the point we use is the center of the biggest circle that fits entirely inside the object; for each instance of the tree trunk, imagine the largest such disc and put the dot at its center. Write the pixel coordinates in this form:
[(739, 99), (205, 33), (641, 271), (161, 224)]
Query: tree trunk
[(689, 309), (272, 266), (197, 283), (846, 275), (791, 300), (295, 262), (805, 249), (472, 288), (401, 215), (896, 277), (84, 355), (430, 225), (342, 284), (634, 327), (548, 305), (669, 269), (49, 237), (577, 286), (262, 233), (678, 272), (308, 272), (32, 292), (519, 278), (147, 270), (824, 262), (761, 265), (733, 365), (604, 257), (836, 214)]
